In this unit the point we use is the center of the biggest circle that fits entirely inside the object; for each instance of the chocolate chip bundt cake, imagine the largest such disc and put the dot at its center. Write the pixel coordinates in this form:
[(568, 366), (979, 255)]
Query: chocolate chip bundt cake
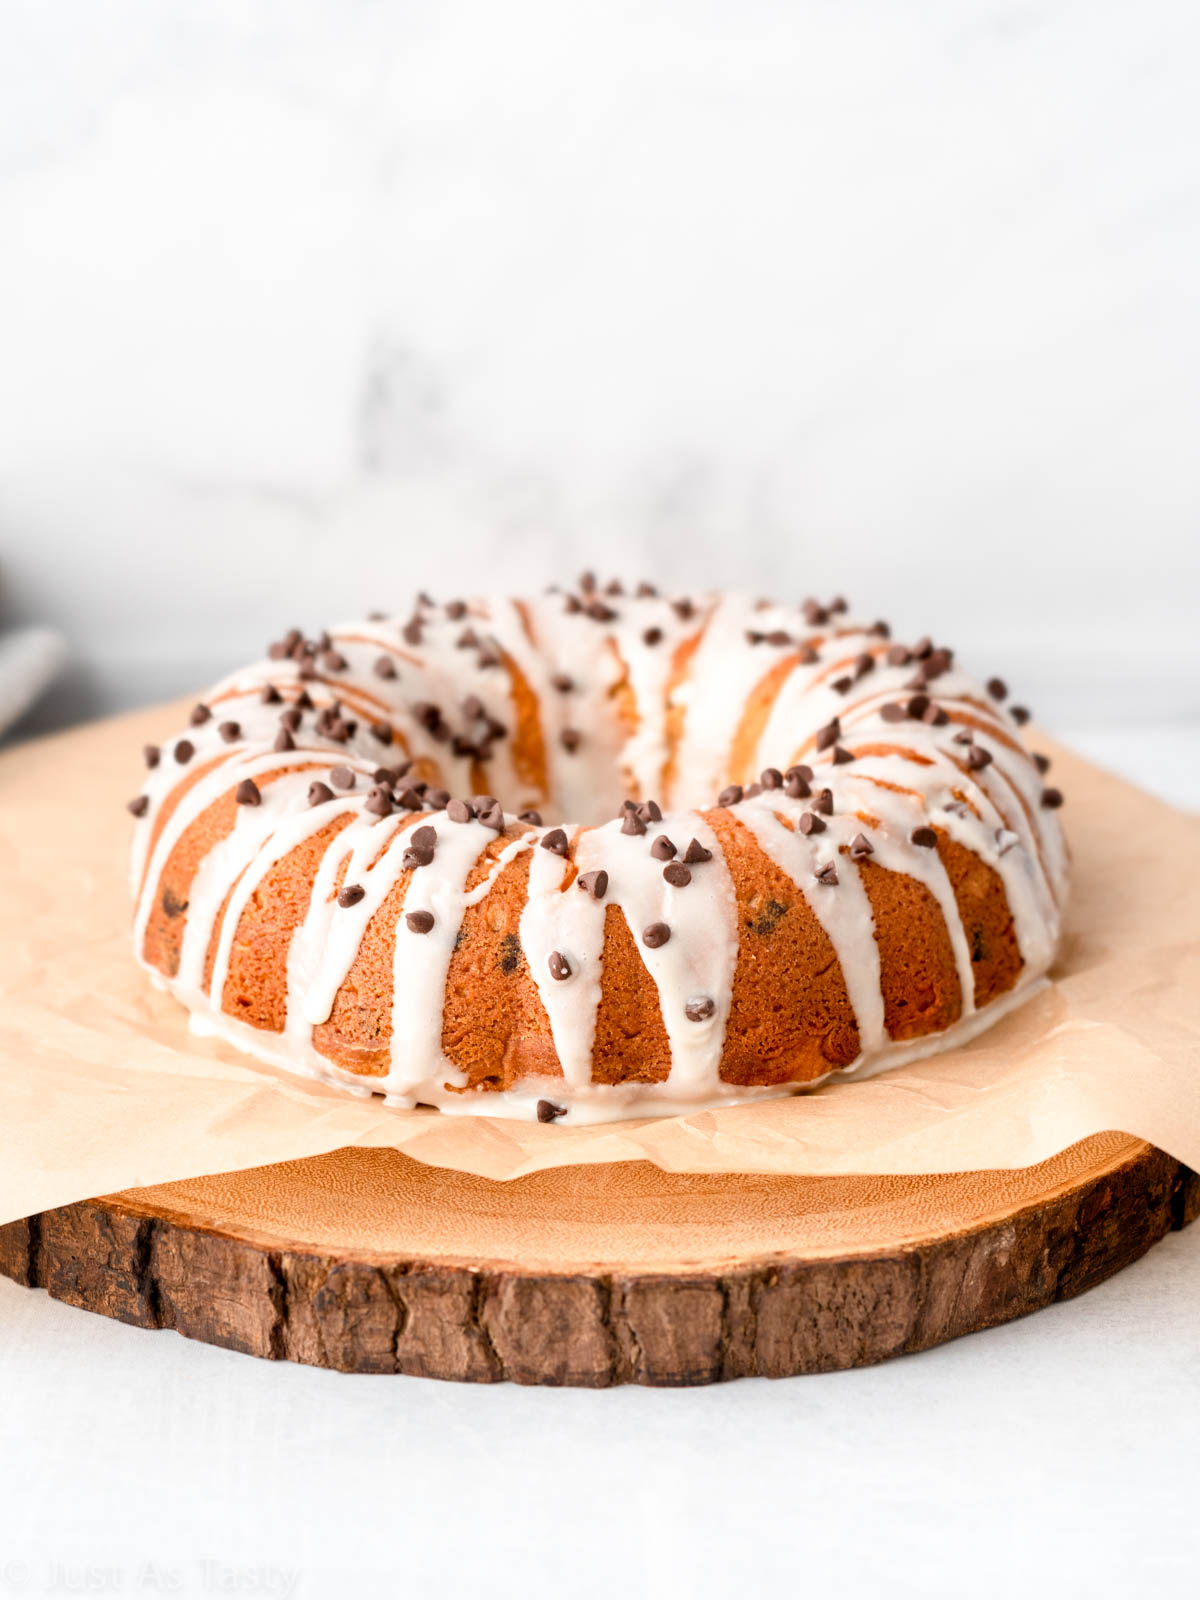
[(453, 856)]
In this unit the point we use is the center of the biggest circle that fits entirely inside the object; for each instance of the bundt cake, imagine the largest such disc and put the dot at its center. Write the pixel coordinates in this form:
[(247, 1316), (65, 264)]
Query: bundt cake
[(450, 856)]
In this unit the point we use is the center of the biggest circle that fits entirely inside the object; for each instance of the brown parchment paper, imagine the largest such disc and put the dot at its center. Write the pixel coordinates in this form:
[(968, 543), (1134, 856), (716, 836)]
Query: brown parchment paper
[(103, 1088)]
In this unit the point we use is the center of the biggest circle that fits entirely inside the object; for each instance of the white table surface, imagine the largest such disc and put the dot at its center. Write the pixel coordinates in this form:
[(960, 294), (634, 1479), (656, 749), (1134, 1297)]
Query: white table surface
[(1057, 1455)]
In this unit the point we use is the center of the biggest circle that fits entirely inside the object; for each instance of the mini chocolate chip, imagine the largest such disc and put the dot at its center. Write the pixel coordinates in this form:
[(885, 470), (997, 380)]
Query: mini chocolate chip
[(677, 875), (730, 796), (771, 778), (893, 712), (1019, 714), (555, 841), (411, 631), (424, 836), (918, 706), (351, 895), (318, 793), (184, 751), (439, 799), (841, 755), (997, 688), (860, 847), (304, 700), (696, 854), (809, 656), (384, 667), (863, 664), (1041, 762), (923, 647), (799, 773), (456, 609), (779, 638), (379, 800), (342, 778), (631, 823), (827, 875), (560, 967), (200, 714), (562, 683), (751, 790), (230, 731), (270, 695), (247, 793), (460, 811), (547, 1111), (419, 921), (1052, 799), (656, 935), (662, 849), (570, 739), (935, 716), (700, 1009), (652, 636), (151, 754), (333, 661), (139, 805), (965, 736), (650, 811), (416, 856), (829, 734), (533, 817), (811, 823), (898, 656), (594, 883), (824, 803), (409, 800), (291, 718), (493, 817), (382, 731), (283, 742), (925, 837), (468, 639), (842, 685), (978, 757)]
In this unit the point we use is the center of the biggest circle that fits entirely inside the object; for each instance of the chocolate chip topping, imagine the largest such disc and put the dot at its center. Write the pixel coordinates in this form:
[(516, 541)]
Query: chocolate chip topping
[(771, 778), (652, 636), (925, 837), (632, 824), (730, 796), (662, 849), (409, 800), (139, 805), (291, 718), (656, 935), (898, 656), (811, 823), (677, 875), (230, 731), (184, 751), (460, 811), (200, 714), (319, 793), (893, 712), (151, 754), (1041, 762), (1019, 714), (861, 847), (416, 856), (547, 1111), (333, 661), (1052, 799), (796, 782), (342, 778), (824, 803), (978, 758), (419, 921), (841, 756), (555, 841), (411, 631), (700, 1009), (560, 967), (918, 706), (384, 667), (532, 817), (650, 811), (562, 682), (247, 793), (270, 695), (696, 854), (382, 731), (594, 883), (829, 734), (351, 895), (379, 800), (570, 739), (827, 875), (842, 685), (283, 742)]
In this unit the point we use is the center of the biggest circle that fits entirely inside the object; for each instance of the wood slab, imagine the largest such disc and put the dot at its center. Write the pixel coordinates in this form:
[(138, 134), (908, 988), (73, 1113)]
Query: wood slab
[(368, 1261)]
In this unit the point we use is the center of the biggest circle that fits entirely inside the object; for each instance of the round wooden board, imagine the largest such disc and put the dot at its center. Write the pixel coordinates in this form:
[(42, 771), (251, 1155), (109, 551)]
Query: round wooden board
[(367, 1261)]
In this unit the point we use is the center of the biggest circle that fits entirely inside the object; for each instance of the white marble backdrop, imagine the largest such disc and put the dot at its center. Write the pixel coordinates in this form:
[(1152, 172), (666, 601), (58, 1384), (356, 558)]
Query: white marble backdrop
[(304, 305)]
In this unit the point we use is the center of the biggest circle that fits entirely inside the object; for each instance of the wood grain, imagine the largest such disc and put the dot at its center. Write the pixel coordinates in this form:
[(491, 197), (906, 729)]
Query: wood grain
[(367, 1261)]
